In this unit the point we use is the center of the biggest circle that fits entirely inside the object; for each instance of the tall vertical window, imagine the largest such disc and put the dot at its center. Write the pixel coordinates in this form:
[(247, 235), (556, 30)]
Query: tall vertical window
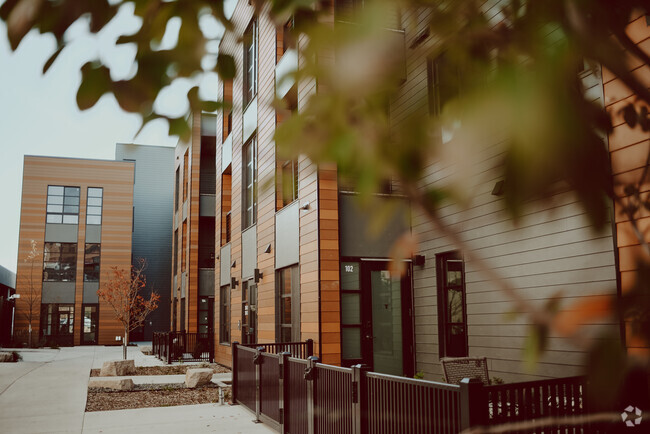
[(186, 158), (227, 111), (250, 62), (176, 191), (224, 314), (249, 163), (452, 317), (94, 206), (286, 171), (182, 325), (62, 204), (184, 246), (91, 320), (174, 314), (91, 262), (288, 311), (175, 252), (59, 262)]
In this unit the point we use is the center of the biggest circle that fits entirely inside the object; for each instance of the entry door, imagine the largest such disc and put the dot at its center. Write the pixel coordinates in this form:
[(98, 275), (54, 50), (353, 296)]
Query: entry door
[(376, 317), (249, 312)]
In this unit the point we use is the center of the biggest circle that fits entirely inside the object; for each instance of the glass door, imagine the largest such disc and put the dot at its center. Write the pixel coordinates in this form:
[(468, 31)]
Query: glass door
[(387, 343)]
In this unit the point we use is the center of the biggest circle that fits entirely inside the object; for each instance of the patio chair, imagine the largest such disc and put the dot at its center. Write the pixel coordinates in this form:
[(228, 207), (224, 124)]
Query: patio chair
[(457, 368)]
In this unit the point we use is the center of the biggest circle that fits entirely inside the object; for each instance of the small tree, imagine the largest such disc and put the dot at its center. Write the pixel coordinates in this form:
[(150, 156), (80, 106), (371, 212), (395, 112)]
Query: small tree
[(122, 293), (30, 296)]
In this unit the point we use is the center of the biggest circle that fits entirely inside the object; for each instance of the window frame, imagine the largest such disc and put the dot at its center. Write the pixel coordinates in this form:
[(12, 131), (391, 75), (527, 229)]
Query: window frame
[(224, 315), (48, 259), (52, 204), (250, 64), (249, 186), (293, 272), (96, 266), (444, 324), (94, 207)]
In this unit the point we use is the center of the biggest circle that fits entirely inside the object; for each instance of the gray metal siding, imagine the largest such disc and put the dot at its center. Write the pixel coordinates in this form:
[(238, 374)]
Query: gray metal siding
[(249, 252), (93, 233), (58, 292), (287, 236), (153, 222), (90, 292), (224, 264), (61, 233)]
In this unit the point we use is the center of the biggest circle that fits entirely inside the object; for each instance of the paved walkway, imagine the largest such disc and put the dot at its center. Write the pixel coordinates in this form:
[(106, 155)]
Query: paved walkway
[(46, 393)]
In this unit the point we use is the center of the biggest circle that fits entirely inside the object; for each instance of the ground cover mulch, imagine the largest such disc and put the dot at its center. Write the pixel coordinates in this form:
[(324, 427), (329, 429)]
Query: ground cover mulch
[(152, 395), (156, 395), (170, 369)]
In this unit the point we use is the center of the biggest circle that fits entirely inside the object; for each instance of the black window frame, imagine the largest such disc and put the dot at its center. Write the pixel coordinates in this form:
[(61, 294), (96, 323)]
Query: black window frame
[(293, 295), (445, 326), (224, 315), (94, 205), (249, 183), (94, 323), (49, 258), (250, 38), (64, 204), (92, 270)]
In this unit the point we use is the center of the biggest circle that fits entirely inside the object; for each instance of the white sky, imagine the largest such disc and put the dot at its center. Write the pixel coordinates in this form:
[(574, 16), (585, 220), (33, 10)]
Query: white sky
[(39, 114)]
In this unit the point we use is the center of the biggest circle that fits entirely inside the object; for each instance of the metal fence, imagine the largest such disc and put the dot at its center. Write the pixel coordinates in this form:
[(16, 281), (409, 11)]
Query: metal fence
[(183, 346), (301, 350), (295, 395)]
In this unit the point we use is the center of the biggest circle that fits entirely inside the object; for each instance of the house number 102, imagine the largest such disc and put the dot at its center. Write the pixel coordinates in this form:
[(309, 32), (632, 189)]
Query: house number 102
[(349, 268)]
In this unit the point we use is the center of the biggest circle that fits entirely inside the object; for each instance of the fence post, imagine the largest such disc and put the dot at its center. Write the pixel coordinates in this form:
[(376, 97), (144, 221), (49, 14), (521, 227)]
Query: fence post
[(310, 374), (359, 399), (310, 348), (234, 373), (473, 408), (283, 387), (257, 361)]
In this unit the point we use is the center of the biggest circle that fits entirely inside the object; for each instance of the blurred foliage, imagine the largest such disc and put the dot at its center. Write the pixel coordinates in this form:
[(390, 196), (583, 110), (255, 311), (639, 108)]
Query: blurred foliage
[(515, 84)]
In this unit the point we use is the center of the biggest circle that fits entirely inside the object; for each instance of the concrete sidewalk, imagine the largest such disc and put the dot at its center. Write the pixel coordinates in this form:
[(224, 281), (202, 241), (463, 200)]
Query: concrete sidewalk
[(46, 393)]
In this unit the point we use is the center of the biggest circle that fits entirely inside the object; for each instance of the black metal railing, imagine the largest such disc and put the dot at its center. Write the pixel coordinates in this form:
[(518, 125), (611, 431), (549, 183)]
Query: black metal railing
[(300, 350), (303, 396), (183, 346)]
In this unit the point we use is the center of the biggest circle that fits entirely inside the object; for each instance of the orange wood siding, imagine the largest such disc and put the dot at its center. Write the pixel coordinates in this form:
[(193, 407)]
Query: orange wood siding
[(629, 148), (116, 179)]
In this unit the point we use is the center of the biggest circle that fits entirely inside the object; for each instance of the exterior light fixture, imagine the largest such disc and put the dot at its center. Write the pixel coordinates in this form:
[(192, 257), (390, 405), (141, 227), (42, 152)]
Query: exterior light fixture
[(258, 275)]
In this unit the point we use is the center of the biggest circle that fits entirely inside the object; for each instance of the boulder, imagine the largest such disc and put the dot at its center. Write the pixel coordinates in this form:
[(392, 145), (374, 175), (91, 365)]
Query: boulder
[(6, 357), (117, 368), (198, 377), (111, 383)]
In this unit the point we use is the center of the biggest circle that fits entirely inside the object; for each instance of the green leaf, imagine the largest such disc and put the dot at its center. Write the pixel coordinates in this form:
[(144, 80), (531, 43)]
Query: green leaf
[(226, 66), (179, 127), (95, 82)]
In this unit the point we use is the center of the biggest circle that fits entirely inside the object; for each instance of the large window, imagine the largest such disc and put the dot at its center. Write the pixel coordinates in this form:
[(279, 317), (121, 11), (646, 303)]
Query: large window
[(59, 262), (62, 204), (184, 246), (224, 314), (249, 164), (175, 252), (89, 327), (250, 62), (57, 324), (206, 312), (452, 317), (182, 325), (176, 191), (94, 206), (91, 262), (288, 314)]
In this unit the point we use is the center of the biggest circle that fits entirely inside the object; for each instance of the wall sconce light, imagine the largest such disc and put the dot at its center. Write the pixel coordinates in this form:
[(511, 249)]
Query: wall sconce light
[(498, 188), (268, 249), (233, 283), (234, 264), (305, 206), (419, 260), (258, 275)]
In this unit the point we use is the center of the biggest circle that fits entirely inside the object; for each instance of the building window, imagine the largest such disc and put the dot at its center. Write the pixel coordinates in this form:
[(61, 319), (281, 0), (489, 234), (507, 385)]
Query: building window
[(288, 312), (57, 324), (186, 158), (288, 182), (91, 320), (182, 327), (176, 191), (94, 206), (91, 263), (227, 111), (59, 262), (452, 317), (444, 82), (62, 204), (224, 314), (250, 183), (206, 309), (250, 62), (175, 252), (249, 312), (226, 205), (283, 39), (184, 246), (174, 314)]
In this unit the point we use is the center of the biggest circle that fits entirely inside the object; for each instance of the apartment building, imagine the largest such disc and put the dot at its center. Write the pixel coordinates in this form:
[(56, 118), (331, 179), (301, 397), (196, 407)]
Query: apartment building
[(75, 224), (295, 260), (193, 261)]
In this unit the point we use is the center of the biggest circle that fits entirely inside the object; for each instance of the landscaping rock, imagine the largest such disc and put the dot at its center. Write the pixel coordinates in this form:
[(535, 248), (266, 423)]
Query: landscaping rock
[(117, 368), (6, 357), (111, 383), (198, 377)]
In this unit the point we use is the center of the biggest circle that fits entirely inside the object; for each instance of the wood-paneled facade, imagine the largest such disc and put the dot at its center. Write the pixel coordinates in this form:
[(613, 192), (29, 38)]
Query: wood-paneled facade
[(629, 148), (116, 179)]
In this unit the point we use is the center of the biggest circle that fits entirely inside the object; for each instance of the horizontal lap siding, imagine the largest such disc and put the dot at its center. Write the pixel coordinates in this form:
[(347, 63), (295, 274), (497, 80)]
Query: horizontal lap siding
[(550, 251), (629, 148), (116, 178)]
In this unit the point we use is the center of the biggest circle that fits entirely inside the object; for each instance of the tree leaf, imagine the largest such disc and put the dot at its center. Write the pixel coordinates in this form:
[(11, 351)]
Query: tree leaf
[(226, 66), (95, 82), (52, 58)]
